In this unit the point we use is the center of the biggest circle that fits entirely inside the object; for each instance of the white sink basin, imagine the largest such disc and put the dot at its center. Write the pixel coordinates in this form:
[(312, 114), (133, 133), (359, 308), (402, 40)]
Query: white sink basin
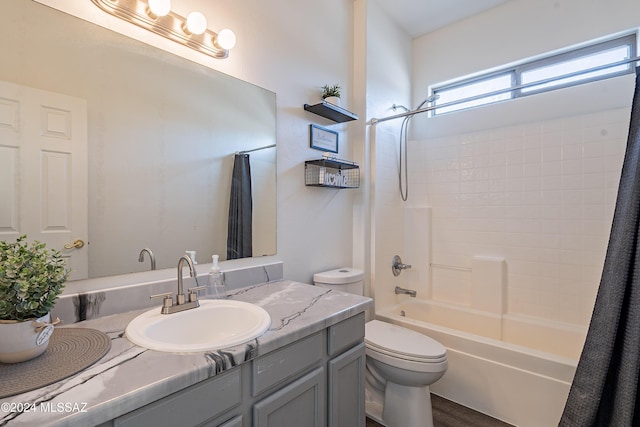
[(214, 325)]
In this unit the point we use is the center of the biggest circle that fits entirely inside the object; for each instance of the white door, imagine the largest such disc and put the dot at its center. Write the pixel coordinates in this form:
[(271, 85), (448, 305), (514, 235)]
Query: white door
[(43, 170)]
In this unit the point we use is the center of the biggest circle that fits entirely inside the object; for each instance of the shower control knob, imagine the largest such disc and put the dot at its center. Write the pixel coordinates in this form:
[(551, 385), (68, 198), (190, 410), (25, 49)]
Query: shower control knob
[(397, 266)]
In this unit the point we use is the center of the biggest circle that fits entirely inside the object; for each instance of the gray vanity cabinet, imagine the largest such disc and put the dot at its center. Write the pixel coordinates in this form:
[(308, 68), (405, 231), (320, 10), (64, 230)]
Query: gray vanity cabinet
[(315, 381), (235, 422), (189, 407), (346, 373), (338, 355), (346, 389), (300, 403)]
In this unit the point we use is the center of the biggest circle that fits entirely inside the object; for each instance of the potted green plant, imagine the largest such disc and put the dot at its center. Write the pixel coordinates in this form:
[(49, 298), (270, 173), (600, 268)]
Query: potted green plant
[(31, 278), (332, 93)]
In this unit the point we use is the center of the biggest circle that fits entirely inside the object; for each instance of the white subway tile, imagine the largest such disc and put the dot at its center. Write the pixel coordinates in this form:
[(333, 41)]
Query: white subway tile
[(551, 153), (572, 166), (552, 167), (515, 157), (594, 149), (540, 194), (593, 164), (533, 155), (551, 182), (571, 182)]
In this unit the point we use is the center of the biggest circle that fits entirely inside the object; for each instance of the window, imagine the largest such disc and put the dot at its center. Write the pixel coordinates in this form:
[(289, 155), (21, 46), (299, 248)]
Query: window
[(474, 90), (582, 65)]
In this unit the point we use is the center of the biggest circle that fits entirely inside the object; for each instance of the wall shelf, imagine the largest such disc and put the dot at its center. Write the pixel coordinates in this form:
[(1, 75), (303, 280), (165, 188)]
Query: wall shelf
[(331, 112), (331, 173)]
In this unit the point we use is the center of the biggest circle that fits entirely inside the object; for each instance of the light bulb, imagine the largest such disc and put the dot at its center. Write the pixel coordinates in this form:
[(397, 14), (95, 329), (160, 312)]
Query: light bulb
[(160, 7), (226, 39), (196, 23)]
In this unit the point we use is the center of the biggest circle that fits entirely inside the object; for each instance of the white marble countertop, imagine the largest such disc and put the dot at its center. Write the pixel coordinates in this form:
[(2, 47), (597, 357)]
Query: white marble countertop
[(129, 377)]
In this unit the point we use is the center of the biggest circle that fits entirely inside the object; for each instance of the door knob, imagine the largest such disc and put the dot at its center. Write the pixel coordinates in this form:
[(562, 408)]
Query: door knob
[(77, 244)]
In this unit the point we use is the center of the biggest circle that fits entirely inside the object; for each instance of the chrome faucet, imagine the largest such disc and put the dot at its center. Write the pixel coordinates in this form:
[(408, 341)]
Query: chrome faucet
[(181, 304), (192, 272), (409, 292), (397, 266), (152, 257)]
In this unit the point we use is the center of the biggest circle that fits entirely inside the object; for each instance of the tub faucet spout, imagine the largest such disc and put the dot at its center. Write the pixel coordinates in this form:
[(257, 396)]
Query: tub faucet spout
[(409, 292)]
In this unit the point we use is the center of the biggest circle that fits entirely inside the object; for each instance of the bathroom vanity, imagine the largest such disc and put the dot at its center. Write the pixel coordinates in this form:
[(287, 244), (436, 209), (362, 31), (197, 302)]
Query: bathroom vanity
[(307, 369)]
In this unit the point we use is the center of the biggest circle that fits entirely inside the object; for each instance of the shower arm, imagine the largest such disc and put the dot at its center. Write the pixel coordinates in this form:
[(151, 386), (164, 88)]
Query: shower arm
[(394, 107)]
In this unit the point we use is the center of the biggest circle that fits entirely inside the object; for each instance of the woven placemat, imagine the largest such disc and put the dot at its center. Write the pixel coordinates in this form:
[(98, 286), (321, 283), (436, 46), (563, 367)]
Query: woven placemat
[(70, 350)]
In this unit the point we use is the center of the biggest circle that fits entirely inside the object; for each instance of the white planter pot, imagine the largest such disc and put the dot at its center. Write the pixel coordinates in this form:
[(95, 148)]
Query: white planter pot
[(20, 341), (333, 100)]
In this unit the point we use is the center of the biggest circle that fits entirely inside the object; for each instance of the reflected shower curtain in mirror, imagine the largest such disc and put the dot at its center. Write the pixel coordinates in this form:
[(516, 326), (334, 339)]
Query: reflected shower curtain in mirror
[(605, 387), (239, 236)]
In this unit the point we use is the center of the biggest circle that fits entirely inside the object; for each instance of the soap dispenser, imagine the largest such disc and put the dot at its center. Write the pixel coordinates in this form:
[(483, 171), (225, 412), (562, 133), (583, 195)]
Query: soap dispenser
[(215, 282)]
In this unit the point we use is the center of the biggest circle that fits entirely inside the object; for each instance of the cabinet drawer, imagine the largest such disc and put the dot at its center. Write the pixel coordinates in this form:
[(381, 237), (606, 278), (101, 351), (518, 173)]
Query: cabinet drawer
[(345, 334), (280, 365), (192, 406)]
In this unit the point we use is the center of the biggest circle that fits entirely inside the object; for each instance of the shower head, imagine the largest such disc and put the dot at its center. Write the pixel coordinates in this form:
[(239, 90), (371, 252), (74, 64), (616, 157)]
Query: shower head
[(429, 99), (432, 98)]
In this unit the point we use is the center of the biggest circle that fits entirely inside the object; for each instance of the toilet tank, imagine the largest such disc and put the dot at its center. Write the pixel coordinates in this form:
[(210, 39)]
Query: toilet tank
[(345, 279)]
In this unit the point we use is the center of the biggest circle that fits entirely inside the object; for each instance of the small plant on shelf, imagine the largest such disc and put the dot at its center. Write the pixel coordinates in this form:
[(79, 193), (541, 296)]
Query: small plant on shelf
[(331, 91)]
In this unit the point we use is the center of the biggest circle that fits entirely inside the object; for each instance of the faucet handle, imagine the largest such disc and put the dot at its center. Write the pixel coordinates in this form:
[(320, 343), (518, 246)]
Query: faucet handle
[(167, 298), (397, 265), (193, 292)]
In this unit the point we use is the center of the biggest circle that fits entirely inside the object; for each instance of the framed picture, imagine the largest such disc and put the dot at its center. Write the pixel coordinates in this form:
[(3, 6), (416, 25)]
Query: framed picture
[(323, 139)]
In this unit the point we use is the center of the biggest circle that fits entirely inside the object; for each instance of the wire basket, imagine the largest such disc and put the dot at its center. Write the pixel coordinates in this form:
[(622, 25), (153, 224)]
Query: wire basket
[(331, 173)]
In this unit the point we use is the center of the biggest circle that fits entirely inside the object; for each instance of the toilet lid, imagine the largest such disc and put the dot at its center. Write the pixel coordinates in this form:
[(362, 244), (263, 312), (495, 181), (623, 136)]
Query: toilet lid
[(402, 341)]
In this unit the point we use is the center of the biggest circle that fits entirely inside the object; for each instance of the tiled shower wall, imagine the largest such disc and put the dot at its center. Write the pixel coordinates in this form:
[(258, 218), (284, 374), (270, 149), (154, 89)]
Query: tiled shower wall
[(540, 195)]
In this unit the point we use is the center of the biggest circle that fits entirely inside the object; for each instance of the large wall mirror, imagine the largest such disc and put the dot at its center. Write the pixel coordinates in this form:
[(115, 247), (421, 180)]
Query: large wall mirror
[(162, 134)]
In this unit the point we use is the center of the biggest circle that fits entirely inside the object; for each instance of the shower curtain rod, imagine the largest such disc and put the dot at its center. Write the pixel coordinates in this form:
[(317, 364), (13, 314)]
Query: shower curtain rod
[(256, 149), (375, 121)]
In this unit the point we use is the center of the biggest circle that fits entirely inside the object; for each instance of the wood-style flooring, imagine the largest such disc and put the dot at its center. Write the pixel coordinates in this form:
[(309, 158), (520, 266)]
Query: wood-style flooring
[(449, 414)]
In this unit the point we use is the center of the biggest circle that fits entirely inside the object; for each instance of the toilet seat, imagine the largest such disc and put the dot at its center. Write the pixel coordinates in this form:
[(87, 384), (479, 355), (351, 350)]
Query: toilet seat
[(403, 343)]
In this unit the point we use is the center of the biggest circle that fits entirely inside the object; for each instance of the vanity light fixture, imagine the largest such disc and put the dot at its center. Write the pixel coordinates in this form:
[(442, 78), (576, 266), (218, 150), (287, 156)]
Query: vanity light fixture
[(158, 8), (226, 39), (157, 17), (196, 23)]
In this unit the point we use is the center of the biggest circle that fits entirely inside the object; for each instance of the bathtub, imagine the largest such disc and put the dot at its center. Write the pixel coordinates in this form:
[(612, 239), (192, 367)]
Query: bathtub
[(515, 369)]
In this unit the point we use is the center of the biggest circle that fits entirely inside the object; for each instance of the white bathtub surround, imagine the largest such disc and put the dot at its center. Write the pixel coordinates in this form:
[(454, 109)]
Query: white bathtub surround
[(520, 220), (558, 339), (488, 283), (417, 250), (521, 385), (563, 339), (540, 195)]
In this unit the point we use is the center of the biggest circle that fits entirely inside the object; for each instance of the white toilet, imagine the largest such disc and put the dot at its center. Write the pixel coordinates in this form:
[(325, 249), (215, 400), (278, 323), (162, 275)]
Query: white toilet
[(401, 363)]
